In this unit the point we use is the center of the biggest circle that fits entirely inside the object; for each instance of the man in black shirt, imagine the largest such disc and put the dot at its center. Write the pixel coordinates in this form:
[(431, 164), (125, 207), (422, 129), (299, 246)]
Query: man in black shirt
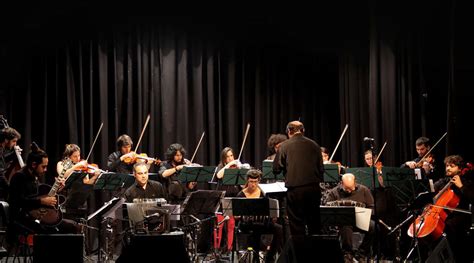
[(300, 160), (24, 197), (349, 190), (144, 188), (8, 139), (116, 161)]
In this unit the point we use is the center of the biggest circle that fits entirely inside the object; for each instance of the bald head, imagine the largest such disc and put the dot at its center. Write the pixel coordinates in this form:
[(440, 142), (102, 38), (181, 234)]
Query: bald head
[(294, 127), (348, 182)]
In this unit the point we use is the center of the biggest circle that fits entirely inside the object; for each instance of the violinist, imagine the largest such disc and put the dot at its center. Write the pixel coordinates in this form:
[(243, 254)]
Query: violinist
[(116, 160), (77, 195), (430, 168), (274, 143), (457, 224), (8, 140), (169, 170), (325, 154), (228, 161)]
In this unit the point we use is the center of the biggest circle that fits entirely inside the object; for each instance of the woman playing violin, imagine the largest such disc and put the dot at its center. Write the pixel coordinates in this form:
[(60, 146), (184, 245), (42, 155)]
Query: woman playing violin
[(71, 162), (457, 224)]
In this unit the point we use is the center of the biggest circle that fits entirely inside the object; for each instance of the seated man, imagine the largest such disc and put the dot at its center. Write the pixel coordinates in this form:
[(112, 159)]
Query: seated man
[(348, 189), (144, 188)]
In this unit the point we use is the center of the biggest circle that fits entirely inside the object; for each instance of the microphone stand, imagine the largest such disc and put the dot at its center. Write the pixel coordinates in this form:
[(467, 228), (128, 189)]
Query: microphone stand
[(374, 178)]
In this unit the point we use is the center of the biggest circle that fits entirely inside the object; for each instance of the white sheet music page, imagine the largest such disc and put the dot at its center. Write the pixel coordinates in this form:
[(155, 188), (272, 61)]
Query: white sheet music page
[(363, 217), (277, 187)]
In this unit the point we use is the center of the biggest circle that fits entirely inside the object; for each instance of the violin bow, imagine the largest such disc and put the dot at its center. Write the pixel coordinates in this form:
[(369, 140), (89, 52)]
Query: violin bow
[(380, 153), (422, 159), (143, 131), (340, 139), (245, 138), (197, 147), (93, 144)]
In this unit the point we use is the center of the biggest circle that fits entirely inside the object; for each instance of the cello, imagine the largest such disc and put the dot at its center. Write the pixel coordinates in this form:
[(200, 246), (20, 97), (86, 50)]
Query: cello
[(430, 224)]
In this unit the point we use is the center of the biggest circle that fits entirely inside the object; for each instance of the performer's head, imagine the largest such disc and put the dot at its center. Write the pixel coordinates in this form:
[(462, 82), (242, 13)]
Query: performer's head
[(124, 143), (325, 154), (454, 165), (9, 137), (227, 155), (175, 153), (294, 127), (140, 172), (422, 145), (274, 142), (348, 182), (253, 178), (37, 161), (73, 152), (369, 158)]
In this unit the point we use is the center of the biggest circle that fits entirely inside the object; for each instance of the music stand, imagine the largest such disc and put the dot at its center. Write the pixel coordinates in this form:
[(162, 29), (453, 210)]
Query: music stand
[(241, 206), (202, 202), (200, 174), (331, 173), (235, 176), (364, 176), (106, 211), (73, 178), (267, 170), (113, 181), (337, 216)]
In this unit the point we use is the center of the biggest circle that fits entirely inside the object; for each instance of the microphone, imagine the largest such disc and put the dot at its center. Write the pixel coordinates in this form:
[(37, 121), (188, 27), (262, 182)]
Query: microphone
[(367, 139)]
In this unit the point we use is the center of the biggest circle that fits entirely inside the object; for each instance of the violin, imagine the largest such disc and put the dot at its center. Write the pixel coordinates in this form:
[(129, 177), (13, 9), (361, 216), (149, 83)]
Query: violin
[(141, 157), (90, 168)]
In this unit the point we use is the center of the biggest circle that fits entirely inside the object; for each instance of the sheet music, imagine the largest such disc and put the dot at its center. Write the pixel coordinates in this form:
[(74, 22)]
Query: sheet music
[(277, 187), (363, 217)]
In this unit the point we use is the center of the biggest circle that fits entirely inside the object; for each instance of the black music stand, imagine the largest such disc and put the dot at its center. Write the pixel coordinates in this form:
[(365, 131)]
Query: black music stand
[(337, 216), (267, 170), (241, 206), (365, 176), (331, 173), (200, 174), (235, 176), (74, 178), (104, 212), (201, 204), (113, 181)]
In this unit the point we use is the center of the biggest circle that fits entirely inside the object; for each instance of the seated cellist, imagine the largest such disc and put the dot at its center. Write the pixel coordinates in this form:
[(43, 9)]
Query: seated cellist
[(457, 224)]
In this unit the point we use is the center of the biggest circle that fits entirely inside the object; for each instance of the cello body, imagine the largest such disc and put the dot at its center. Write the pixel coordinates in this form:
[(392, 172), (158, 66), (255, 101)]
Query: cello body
[(430, 224)]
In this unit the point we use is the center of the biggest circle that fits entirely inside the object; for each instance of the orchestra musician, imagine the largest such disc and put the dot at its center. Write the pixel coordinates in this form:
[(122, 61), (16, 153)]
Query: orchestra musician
[(273, 143), (258, 227), (143, 187), (430, 168), (169, 170), (116, 160), (348, 189), (76, 202), (457, 224), (23, 198), (8, 140), (228, 161)]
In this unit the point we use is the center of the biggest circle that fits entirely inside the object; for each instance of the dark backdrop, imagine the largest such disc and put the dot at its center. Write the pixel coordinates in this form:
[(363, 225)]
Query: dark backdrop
[(394, 72)]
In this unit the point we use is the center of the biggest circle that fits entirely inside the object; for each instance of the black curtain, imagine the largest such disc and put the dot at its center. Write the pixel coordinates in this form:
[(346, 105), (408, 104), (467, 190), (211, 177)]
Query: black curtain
[(393, 71)]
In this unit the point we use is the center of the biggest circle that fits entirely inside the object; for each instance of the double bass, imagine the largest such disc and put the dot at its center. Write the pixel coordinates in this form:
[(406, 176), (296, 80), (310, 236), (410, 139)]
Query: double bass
[(18, 162)]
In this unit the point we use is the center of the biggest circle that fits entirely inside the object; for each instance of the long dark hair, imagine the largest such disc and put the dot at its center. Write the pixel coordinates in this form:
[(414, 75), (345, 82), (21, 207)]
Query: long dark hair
[(172, 150), (224, 154)]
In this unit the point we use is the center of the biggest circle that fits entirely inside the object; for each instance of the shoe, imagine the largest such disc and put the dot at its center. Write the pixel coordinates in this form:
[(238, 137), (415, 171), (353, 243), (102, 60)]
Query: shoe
[(348, 258), (361, 258)]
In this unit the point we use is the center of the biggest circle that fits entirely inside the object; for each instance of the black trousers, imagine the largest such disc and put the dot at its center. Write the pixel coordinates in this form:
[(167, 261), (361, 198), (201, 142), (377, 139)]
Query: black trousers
[(303, 209)]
